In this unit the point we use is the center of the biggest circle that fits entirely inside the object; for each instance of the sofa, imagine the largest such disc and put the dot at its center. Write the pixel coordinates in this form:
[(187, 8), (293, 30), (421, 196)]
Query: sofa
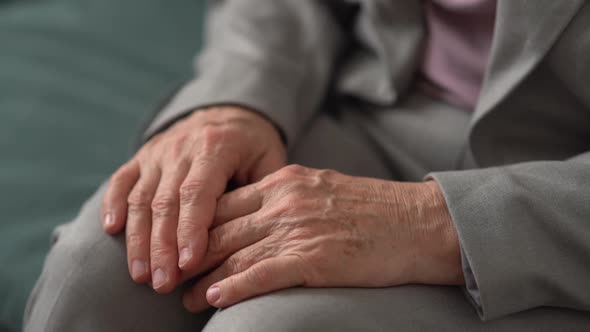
[(78, 81)]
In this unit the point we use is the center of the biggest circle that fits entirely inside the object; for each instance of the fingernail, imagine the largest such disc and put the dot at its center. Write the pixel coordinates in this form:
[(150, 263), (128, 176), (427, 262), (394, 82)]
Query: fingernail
[(213, 295), (138, 269), (159, 278), (185, 256), (109, 220)]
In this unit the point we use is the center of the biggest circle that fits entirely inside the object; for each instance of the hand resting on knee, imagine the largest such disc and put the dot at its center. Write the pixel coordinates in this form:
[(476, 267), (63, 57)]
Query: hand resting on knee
[(286, 226), (165, 196)]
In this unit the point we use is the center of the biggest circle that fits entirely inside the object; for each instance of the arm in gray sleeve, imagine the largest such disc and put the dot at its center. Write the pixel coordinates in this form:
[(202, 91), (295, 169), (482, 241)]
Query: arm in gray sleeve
[(274, 57), (525, 234)]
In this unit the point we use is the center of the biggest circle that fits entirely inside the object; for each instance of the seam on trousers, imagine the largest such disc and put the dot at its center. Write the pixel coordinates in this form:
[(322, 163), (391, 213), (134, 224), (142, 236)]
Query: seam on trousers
[(56, 234), (58, 297), (32, 300)]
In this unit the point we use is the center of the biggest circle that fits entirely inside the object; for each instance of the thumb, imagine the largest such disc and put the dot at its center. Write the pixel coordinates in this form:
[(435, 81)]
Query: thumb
[(263, 277)]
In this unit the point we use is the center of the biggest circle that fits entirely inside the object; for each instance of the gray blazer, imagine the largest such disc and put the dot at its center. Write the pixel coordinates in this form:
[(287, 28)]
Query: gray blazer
[(521, 203)]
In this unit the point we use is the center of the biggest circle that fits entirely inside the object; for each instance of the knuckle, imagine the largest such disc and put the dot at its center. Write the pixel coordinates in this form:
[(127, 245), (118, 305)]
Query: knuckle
[(163, 239), (164, 205), (178, 145), (163, 202), (190, 190), (159, 242), (259, 275), (291, 173), (162, 244), (139, 199), (280, 178), (160, 251), (216, 243), (232, 266), (303, 270), (294, 169), (326, 174), (187, 227), (212, 136), (135, 240)]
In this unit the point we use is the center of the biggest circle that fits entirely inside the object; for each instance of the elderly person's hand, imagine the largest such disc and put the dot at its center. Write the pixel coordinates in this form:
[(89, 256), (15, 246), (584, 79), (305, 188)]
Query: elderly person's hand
[(318, 228), (167, 194)]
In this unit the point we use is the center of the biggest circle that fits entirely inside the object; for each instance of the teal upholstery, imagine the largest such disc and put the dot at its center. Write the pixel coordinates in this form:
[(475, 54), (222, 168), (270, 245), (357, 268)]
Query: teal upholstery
[(77, 79)]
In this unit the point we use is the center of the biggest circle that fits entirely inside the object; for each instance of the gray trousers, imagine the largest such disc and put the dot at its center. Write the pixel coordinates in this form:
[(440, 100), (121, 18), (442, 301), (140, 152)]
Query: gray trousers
[(85, 285)]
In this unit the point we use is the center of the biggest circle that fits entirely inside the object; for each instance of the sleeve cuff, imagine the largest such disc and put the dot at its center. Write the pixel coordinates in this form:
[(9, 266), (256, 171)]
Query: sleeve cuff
[(493, 272), (270, 89), (471, 289)]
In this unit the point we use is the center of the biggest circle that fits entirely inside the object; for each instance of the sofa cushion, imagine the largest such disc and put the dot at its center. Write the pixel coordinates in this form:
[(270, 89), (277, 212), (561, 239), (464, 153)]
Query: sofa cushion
[(77, 79)]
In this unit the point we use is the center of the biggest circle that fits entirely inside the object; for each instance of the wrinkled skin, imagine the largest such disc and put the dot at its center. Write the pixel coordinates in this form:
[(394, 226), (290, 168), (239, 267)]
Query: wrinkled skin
[(285, 226), (166, 195), (319, 228)]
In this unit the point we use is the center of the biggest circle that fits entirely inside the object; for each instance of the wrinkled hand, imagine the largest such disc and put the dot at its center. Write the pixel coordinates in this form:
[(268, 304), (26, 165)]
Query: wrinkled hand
[(317, 228), (166, 195)]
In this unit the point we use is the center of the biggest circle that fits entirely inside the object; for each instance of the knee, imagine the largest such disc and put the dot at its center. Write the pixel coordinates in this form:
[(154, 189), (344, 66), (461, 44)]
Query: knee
[(293, 310), (409, 308), (85, 286), (406, 308), (83, 283), (287, 311)]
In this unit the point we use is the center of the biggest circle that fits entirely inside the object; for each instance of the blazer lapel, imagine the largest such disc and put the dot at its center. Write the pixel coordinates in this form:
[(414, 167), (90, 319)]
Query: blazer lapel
[(525, 32)]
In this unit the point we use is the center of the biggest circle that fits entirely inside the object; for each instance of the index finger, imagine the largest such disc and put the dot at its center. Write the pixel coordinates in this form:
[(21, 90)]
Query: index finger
[(237, 203), (114, 204)]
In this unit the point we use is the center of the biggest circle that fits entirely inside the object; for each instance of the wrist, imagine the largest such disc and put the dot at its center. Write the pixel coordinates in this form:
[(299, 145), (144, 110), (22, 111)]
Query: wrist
[(252, 138), (240, 113), (227, 113), (438, 255)]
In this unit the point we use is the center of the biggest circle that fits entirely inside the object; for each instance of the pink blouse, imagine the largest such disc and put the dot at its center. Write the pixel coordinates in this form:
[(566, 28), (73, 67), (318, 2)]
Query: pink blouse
[(457, 49)]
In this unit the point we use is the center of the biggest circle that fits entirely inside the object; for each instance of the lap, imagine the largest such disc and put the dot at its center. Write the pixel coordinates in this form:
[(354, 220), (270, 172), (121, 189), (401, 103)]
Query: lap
[(406, 308), (85, 283)]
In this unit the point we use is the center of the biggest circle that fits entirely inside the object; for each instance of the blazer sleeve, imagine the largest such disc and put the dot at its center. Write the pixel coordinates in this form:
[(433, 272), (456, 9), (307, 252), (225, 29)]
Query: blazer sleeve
[(274, 57), (525, 234)]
